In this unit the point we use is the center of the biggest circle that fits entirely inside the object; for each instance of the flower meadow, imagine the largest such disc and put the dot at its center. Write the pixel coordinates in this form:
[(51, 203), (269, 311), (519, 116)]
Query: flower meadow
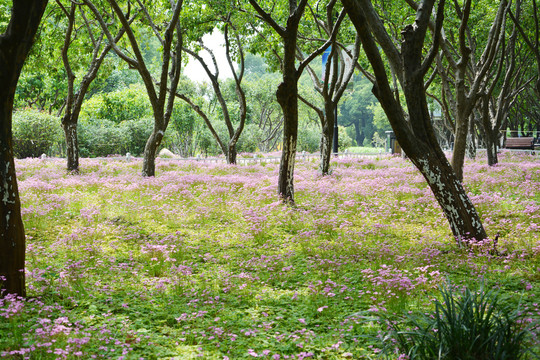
[(204, 261)]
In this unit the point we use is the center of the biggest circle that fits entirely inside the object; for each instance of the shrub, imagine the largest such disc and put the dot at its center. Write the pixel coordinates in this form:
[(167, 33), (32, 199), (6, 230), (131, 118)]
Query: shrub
[(208, 144), (309, 139), (344, 140), (182, 134), (250, 139), (468, 325), (136, 134), (126, 104), (101, 138), (36, 133)]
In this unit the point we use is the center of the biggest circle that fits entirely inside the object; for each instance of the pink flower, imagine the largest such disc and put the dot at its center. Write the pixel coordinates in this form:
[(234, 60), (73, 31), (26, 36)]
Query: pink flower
[(252, 353)]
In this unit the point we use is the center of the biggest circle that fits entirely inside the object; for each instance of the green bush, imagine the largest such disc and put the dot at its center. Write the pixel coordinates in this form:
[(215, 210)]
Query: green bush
[(136, 133), (309, 139), (102, 138), (183, 129), (126, 104), (344, 140), (36, 133), (250, 139), (208, 144), (465, 326)]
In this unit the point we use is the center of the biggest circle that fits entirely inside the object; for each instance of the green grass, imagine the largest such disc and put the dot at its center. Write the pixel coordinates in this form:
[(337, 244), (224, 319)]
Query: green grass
[(203, 261)]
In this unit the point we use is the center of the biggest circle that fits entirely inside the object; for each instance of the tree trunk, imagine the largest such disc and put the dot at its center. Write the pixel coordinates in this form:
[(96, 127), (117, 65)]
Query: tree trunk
[(327, 138), (490, 135), (359, 136), (491, 149), (287, 93), (150, 152), (471, 141), (231, 154), (12, 239), (15, 44), (460, 145), (416, 136), (456, 205), (428, 157), (287, 97), (72, 145)]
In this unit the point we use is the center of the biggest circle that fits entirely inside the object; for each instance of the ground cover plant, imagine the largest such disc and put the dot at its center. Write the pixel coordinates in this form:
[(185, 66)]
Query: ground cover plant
[(203, 261)]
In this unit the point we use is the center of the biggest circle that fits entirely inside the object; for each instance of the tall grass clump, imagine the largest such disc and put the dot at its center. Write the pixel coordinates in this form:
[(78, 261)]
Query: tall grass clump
[(465, 325)]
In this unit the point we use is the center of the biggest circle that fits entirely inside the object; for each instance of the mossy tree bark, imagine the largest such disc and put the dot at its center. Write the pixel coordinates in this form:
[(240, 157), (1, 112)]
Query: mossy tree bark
[(415, 134), (15, 44)]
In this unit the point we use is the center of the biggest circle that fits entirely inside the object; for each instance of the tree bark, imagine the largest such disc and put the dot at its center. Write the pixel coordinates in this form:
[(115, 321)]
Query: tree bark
[(416, 136), (471, 140), (287, 92), (460, 145), (150, 152), (15, 44), (327, 138), (491, 149), (287, 97), (72, 145), (449, 193), (231, 154)]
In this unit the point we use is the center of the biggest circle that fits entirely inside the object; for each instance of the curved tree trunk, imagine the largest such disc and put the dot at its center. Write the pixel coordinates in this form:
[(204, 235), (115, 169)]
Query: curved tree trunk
[(428, 157), (458, 209), (416, 136), (15, 44)]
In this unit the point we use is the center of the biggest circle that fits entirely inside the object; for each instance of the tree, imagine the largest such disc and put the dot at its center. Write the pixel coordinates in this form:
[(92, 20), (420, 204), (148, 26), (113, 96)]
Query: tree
[(508, 80), (532, 41), (415, 133), (358, 109), (162, 105), (42, 84), (15, 43), (264, 112), (333, 84), (287, 91), (525, 114), (75, 98), (465, 76), (229, 147)]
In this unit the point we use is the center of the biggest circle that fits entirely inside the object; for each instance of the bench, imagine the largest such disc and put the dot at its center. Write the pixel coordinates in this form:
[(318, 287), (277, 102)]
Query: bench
[(524, 143)]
